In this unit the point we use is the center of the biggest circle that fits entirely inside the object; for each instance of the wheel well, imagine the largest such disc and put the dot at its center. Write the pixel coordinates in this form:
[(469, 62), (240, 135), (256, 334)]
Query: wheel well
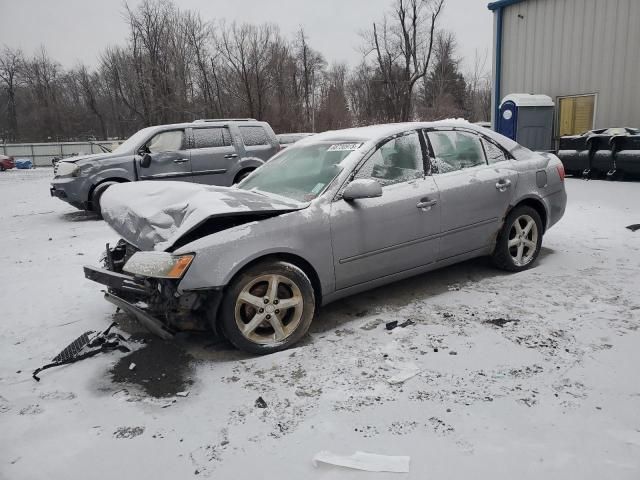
[(538, 206), (244, 170), (298, 262), (93, 188)]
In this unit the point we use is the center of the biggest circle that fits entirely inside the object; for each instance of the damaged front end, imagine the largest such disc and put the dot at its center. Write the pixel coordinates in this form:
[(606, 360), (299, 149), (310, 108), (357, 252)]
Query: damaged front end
[(148, 290)]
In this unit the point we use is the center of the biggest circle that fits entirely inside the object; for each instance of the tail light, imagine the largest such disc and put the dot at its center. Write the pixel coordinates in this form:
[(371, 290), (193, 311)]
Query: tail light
[(560, 169)]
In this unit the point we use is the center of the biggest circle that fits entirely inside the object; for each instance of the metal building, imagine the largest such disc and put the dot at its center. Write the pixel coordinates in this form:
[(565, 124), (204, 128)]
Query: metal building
[(584, 54)]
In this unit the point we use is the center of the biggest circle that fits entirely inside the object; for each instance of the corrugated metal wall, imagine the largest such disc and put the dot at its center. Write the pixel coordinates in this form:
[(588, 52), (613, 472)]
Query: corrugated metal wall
[(573, 47)]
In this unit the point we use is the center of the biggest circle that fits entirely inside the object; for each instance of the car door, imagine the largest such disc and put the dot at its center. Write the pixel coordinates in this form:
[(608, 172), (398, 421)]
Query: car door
[(257, 143), (474, 196), (169, 157), (397, 232), (213, 157)]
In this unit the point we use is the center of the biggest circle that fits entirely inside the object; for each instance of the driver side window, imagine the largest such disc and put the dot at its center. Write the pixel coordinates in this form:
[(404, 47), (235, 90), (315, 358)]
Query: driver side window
[(166, 142), (398, 160)]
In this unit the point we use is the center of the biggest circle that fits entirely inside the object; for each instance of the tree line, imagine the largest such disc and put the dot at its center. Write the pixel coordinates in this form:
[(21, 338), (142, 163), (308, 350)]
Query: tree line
[(176, 66)]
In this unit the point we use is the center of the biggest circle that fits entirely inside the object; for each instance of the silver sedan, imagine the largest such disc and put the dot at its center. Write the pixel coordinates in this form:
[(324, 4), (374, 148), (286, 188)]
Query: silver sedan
[(335, 214)]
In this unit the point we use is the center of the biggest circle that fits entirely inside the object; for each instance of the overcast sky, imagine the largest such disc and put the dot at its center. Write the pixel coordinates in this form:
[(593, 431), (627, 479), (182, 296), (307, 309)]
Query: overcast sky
[(78, 30)]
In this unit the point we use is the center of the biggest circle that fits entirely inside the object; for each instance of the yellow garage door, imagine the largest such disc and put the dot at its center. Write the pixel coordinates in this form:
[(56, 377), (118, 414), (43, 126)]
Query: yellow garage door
[(576, 114)]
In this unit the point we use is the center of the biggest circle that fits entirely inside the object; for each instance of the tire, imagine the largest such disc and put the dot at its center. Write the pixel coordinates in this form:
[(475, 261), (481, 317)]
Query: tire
[(277, 331), (97, 195), (242, 175), (522, 230), (2, 169)]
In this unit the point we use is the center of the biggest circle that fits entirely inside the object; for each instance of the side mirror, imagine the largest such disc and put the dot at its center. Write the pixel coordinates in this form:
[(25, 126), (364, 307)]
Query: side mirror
[(362, 188), (146, 161)]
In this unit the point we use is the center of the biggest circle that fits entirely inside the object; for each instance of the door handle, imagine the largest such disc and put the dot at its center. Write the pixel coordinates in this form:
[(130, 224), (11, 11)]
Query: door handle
[(231, 155), (503, 184), (181, 160), (426, 204)]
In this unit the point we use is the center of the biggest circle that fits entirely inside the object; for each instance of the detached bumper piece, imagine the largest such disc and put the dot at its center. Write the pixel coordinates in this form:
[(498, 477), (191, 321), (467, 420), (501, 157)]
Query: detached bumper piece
[(117, 281), (151, 323), (86, 345), (120, 282)]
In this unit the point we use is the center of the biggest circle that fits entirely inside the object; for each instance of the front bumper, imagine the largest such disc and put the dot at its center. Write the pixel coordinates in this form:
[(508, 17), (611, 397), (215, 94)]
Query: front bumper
[(156, 303), (71, 190), (151, 323), (117, 281)]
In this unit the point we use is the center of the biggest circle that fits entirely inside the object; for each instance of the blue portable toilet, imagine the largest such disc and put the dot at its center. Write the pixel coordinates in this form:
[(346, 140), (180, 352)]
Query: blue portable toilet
[(527, 119)]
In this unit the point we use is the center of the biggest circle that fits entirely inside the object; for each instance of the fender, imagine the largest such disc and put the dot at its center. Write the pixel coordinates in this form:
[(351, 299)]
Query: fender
[(247, 162)]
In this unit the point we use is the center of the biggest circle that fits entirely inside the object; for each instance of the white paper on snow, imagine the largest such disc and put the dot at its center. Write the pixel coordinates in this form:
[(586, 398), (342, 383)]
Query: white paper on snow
[(403, 372), (369, 462)]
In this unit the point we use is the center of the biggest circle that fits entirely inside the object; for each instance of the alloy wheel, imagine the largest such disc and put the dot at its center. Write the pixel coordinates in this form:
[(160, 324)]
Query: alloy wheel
[(523, 240), (268, 309)]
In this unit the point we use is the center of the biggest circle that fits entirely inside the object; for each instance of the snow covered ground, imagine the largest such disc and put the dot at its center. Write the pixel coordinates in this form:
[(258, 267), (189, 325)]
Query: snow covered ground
[(532, 375)]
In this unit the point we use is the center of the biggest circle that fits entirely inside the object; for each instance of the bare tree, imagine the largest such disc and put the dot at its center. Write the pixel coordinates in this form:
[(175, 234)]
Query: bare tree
[(11, 63), (402, 44)]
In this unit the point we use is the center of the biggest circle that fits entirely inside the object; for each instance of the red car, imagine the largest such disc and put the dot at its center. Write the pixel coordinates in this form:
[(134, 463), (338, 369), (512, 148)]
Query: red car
[(6, 163)]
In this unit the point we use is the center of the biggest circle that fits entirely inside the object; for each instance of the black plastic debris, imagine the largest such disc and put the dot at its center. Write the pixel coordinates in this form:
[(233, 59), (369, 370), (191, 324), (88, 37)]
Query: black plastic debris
[(500, 322), (260, 403), (391, 325), (634, 227), (86, 345), (407, 323)]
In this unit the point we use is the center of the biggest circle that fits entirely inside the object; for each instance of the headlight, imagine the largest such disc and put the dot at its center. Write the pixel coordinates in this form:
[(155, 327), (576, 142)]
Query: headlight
[(67, 168), (158, 264)]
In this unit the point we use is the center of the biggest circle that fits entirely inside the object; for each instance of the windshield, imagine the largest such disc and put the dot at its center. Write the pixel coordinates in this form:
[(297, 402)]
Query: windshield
[(134, 140), (301, 172)]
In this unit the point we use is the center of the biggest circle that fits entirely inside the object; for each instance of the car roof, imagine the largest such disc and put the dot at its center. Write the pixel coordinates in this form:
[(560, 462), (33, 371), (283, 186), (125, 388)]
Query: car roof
[(168, 126), (375, 133)]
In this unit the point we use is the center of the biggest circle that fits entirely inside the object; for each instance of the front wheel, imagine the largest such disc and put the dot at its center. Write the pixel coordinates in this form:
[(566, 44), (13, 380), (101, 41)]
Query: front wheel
[(519, 241), (268, 308), (97, 197)]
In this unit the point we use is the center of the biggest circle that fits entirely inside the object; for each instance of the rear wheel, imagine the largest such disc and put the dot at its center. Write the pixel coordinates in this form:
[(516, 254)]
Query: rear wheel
[(519, 241), (268, 307), (242, 175)]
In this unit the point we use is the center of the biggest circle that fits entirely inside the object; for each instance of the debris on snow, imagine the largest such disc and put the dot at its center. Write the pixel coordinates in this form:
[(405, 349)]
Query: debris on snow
[(407, 323), (371, 324), (182, 394), (369, 462), (128, 432), (404, 371), (260, 403), (634, 227), (501, 322), (132, 366), (391, 325)]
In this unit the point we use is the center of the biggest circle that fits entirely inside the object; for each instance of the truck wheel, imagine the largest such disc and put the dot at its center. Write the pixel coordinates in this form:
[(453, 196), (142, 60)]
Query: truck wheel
[(519, 241), (268, 307), (242, 175), (97, 195)]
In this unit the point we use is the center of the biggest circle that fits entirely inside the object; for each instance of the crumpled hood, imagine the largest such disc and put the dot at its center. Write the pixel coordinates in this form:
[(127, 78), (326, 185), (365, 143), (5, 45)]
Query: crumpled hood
[(153, 215)]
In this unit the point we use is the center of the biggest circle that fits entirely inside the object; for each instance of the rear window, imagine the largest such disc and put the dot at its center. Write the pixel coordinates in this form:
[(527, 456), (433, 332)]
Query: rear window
[(252, 136), (211, 137)]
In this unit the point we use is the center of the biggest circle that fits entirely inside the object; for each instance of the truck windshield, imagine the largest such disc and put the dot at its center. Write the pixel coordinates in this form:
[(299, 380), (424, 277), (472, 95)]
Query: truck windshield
[(301, 172)]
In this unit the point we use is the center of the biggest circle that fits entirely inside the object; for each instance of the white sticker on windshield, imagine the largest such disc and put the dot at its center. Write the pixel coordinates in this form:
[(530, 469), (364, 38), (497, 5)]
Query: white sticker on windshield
[(344, 147), (317, 188)]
